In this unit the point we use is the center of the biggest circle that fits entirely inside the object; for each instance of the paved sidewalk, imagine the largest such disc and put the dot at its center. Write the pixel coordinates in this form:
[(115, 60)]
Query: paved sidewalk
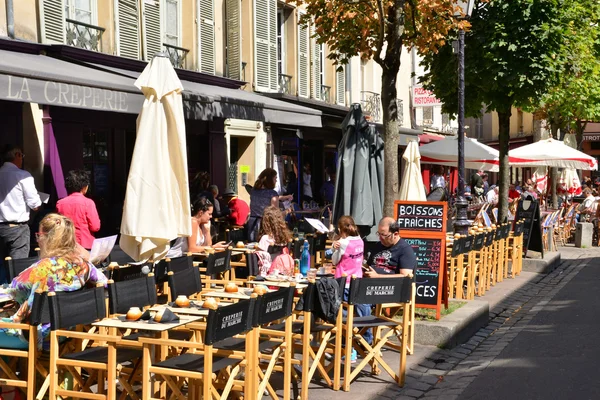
[(449, 374)]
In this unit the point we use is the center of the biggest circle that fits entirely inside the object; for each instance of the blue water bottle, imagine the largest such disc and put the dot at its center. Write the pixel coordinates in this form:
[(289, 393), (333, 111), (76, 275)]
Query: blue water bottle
[(305, 259)]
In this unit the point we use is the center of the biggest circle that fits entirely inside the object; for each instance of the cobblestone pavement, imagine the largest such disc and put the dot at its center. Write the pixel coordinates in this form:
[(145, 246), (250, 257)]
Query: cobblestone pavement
[(442, 374)]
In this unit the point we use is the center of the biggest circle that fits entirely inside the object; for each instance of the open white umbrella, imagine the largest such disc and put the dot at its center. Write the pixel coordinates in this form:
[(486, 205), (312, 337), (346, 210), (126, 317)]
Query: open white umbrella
[(551, 153), (157, 201), (412, 187), (478, 156), (540, 179)]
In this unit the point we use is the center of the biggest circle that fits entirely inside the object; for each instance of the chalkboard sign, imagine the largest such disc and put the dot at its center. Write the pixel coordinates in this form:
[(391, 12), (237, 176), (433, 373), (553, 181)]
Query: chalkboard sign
[(478, 242), (458, 247), (421, 215), (428, 273), (529, 211)]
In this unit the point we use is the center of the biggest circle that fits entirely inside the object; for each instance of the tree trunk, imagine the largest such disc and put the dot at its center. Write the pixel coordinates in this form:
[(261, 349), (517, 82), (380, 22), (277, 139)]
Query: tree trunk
[(392, 139), (553, 170), (503, 140), (579, 129)]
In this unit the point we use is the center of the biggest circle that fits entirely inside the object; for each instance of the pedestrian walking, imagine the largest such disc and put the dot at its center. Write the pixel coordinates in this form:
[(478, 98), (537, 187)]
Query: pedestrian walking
[(18, 196)]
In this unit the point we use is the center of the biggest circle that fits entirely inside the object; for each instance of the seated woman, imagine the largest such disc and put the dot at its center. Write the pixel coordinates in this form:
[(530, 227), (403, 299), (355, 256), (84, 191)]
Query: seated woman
[(202, 210), (61, 268), (274, 238)]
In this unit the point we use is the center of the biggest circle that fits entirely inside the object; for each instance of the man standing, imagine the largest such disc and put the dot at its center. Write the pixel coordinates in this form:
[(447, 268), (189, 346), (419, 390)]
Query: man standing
[(393, 255), (17, 197), (477, 184)]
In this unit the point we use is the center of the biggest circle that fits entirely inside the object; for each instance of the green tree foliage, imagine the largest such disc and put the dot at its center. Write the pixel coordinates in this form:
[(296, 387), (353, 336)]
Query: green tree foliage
[(379, 29), (514, 53)]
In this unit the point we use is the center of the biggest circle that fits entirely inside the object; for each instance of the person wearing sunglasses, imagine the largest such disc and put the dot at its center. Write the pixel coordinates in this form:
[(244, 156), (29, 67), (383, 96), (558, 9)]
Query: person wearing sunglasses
[(18, 196), (392, 256)]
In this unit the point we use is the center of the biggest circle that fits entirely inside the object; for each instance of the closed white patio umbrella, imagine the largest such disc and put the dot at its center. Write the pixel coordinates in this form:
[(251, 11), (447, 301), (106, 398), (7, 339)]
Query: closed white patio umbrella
[(551, 153), (412, 187), (157, 201), (478, 156)]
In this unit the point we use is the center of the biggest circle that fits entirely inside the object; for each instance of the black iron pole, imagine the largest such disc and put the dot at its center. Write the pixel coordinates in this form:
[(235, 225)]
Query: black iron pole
[(461, 224)]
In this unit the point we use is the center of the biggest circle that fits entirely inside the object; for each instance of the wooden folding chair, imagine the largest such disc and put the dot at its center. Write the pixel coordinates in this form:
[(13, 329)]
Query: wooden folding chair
[(515, 249), (10, 358), (97, 353), (17, 265), (185, 283), (218, 269), (376, 291), (206, 367)]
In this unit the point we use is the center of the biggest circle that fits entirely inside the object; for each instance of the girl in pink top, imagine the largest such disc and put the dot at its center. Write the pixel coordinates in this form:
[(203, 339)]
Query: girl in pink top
[(348, 250)]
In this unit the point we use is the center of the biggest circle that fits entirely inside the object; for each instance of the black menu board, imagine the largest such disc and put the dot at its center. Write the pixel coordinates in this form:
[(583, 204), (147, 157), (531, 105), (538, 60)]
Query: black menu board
[(421, 216), (428, 275), (529, 211)]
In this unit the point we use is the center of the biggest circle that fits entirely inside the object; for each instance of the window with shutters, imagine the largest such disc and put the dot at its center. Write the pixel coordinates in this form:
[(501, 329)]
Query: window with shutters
[(316, 50), (172, 27), (303, 60), (281, 53), (340, 86), (234, 39), (153, 36), (265, 46), (128, 29), (206, 36), (80, 29), (52, 19)]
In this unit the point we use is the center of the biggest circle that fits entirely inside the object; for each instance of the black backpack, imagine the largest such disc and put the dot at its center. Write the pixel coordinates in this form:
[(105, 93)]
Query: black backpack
[(329, 299)]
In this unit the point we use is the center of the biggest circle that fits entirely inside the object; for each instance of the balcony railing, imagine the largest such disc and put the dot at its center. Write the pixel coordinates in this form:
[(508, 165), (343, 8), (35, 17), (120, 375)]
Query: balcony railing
[(176, 54), (285, 84), (371, 104), (86, 36), (326, 93)]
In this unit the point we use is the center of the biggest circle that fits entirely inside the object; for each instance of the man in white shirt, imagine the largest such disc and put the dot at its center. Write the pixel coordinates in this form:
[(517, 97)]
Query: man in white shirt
[(17, 197), (492, 195), (306, 183)]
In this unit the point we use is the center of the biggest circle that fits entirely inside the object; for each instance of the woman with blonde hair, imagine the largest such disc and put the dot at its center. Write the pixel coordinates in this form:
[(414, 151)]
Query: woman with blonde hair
[(273, 230), (61, 268)]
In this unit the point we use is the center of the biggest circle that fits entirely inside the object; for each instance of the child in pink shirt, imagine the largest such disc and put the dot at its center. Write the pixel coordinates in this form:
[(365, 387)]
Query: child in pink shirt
[(348, 250)]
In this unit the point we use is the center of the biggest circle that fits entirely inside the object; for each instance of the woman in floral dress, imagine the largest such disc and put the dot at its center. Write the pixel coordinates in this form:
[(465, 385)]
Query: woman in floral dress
[(61, 268)]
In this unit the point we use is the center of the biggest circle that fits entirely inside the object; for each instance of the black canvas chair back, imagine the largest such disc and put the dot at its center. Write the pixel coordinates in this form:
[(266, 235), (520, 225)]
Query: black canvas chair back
[(236, 235), (184, 283), (251, 264), (380, 290), (229, 321), (18, 265), (130, 272), (119, 256), (82, 307), (309, 296), (218, 263), (40, 309), (273, 306), (176, 264), (139, 292)]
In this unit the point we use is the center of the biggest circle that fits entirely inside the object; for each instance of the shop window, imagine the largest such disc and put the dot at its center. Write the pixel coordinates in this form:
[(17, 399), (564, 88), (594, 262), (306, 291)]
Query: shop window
[(595, 145), (427, 116), (96, 161)]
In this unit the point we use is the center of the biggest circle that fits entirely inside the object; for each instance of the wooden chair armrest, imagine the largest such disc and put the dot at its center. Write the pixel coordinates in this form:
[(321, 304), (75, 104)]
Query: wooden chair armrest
[(14, 325), (171, 343), (96, 337)]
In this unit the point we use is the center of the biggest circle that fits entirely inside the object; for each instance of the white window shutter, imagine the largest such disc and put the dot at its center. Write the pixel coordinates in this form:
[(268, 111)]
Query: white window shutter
[(340, 89), (273, 73), (153, 42), (128, 27), (52, 20), (303, 60), (316, 65), (206, 36), (262, 72), (234, 39)]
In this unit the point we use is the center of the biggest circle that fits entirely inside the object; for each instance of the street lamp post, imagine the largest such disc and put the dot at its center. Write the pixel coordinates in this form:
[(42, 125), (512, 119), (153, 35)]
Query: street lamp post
[(461, 224)]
